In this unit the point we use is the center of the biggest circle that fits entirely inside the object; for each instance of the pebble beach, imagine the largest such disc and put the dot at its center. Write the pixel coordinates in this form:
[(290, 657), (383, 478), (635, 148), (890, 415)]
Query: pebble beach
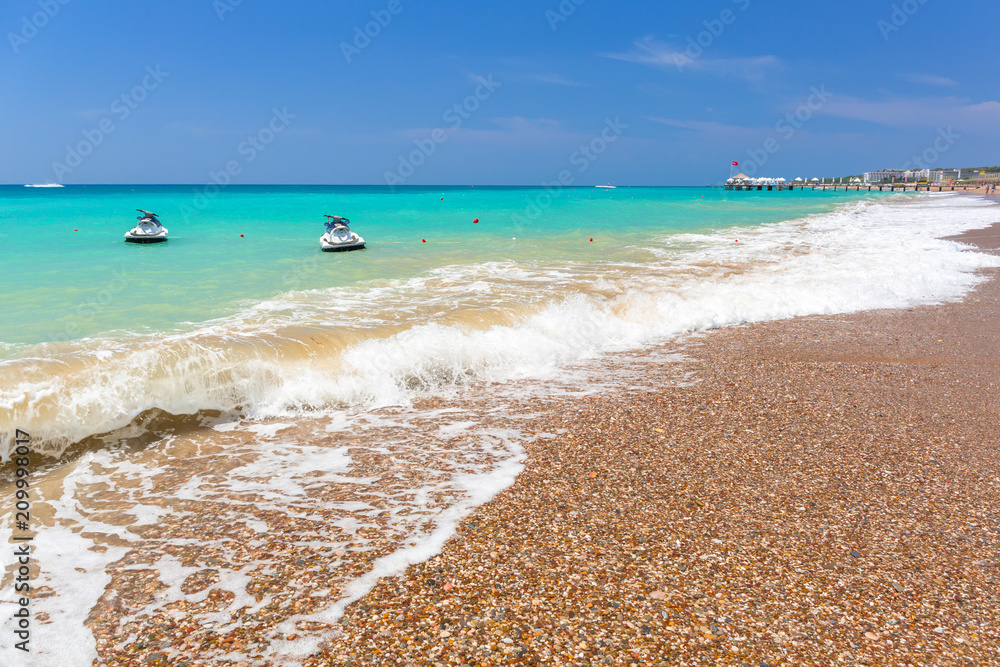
[(825, 492)]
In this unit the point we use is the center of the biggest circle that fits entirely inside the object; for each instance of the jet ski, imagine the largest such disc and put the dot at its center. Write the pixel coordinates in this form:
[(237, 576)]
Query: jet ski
[(149, 229), (339, 237)]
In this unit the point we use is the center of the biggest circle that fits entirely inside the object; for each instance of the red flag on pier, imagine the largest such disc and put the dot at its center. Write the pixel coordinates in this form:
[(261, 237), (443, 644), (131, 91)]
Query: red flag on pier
[(735, 163)]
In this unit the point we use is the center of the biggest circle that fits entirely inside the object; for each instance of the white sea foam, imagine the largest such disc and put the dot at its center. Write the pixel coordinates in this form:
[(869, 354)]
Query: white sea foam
[(72, 572), (377, 345), (427, 487)]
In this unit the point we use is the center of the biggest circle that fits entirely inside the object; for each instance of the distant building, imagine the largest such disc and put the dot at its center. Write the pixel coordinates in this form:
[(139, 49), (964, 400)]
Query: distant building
[(884, 176), (947, 175), (897, 176)]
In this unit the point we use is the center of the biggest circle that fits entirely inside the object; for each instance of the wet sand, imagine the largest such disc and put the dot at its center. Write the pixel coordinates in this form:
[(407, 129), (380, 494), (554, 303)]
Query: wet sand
[(827, 492), (982, 190)]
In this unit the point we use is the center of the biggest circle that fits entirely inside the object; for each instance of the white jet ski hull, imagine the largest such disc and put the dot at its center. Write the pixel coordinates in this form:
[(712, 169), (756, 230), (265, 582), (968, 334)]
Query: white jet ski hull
[(340, 241), (146, 234)]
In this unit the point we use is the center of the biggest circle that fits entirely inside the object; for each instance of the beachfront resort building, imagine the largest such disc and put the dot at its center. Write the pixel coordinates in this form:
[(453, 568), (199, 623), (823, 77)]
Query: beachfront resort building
[(947, 175), (897, 176), (905, 176)]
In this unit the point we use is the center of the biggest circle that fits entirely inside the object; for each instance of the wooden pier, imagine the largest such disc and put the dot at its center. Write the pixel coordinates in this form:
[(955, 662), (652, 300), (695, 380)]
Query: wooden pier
[(898, 187)]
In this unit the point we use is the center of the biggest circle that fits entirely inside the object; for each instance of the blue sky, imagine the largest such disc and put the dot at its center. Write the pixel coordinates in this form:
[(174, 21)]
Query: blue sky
[(644, 93)]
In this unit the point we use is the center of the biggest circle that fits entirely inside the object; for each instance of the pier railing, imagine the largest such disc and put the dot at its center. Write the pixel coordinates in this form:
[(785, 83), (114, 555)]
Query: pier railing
[(856, 187)]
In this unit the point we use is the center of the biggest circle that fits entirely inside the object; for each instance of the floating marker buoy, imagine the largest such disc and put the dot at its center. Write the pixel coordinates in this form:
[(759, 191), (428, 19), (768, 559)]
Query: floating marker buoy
[(76, 230), (241, 236), (442, 198), (737, 240), (423, 240), (591, 239), (476, 221)]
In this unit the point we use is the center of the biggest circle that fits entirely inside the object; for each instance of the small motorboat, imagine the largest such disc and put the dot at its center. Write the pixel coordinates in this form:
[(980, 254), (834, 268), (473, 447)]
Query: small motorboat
[(149, 229), (339, 237)]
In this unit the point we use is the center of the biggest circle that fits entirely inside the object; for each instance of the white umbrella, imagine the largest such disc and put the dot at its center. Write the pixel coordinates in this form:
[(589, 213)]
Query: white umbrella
[(798, 180), (781, 180), (815, 180)]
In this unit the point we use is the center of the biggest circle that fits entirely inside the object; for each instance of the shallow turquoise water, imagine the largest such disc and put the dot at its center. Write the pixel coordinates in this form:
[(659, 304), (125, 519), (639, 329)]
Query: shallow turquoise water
[(61, 284)]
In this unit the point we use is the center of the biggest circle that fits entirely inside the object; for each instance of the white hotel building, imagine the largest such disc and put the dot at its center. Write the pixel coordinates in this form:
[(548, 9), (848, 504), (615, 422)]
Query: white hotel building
[(897, 176)]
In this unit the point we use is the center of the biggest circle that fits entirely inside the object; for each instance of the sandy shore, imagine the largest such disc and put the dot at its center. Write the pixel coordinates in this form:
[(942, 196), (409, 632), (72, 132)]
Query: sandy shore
[(826, 493), (981, 190)]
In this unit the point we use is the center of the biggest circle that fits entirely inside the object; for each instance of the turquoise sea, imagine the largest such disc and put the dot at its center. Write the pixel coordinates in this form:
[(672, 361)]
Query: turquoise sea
[(217, 407), (241, 313), (71, 284)]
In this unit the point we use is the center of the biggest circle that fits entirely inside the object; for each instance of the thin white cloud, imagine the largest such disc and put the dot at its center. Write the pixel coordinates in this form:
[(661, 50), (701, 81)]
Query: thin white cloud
[(91, 114), (649, 52), (936, 112), (700, 125), (514, 131), (928, 79), (200, 129), (556, 79), (735, 133), (521, 124)]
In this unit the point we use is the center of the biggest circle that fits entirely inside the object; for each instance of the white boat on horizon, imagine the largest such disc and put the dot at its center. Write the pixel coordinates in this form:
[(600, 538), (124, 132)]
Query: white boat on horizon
[(606, 187), (43, 185)]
